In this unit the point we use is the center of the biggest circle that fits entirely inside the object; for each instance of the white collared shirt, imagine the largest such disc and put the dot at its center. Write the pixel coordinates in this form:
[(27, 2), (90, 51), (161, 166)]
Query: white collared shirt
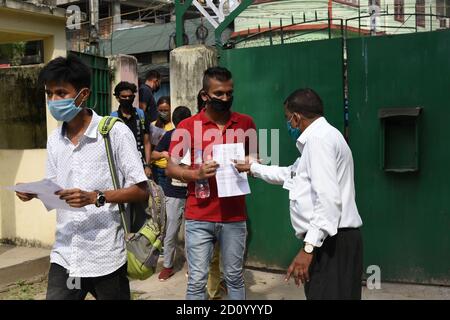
[(320, 183), (91, 243)]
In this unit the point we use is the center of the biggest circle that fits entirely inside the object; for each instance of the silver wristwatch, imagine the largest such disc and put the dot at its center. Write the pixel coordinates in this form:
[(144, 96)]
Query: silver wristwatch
[(308, 248), (101, 200)]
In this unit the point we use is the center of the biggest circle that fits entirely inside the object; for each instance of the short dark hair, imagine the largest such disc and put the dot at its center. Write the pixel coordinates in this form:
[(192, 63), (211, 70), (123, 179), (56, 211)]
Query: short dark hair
[(163, 99), (70, 70), (218, 73), (152, 74), (123, 86), (200, 103), (179, 114), (306, 102)]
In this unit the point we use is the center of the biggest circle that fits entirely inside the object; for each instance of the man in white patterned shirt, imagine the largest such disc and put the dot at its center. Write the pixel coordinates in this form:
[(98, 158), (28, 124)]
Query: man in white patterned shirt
[(322, 202), (89, 252)]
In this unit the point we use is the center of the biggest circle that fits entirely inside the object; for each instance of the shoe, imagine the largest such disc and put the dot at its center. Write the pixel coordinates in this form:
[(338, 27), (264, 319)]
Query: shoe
[(165, 274)]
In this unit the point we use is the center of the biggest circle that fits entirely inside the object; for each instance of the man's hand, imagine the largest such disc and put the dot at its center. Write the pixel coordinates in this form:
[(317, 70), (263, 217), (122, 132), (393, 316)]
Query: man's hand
[(300, 268), (207, 170), (25, 196), (165, 155), (77, 198), (148, 172), (242, 167)]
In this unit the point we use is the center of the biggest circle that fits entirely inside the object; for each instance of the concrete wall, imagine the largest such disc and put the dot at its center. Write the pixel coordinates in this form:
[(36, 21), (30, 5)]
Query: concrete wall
[(22, 109), (187, 65), (29, 221), (21, 221), (125, 69)]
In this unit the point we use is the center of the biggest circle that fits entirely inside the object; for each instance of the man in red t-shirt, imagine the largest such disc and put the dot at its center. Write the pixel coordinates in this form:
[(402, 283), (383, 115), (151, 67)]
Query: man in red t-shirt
[(212, 219)]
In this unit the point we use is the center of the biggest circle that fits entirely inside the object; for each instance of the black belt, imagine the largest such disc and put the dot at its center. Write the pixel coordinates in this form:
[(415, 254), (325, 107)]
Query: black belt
[(347, 229), (341, 230)]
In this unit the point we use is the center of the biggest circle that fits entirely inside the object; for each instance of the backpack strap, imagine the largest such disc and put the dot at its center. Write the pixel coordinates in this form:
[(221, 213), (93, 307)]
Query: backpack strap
[(106, 124), (104, 127), (156, 207)]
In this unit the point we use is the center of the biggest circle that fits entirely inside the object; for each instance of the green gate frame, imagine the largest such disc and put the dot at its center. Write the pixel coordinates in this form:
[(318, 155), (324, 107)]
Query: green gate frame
[(180, 10), (100, 99), (402, 79), (404, 212)]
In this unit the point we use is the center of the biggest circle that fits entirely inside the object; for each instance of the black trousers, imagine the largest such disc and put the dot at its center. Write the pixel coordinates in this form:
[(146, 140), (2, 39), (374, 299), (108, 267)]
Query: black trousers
[(114, 286), (337, 267)]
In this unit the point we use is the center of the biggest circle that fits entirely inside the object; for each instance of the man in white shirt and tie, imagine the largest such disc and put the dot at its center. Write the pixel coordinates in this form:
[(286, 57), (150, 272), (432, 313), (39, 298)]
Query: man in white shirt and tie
[(322, 202)]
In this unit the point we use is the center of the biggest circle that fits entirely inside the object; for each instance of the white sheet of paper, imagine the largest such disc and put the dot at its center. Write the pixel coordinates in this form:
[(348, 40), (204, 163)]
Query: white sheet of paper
[(45, 190), (230, 182), (156, 134)]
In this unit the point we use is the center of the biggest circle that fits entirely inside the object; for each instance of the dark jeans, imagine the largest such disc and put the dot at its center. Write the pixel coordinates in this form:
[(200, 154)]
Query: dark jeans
[(337, 267), (114, 286), (159, 176)]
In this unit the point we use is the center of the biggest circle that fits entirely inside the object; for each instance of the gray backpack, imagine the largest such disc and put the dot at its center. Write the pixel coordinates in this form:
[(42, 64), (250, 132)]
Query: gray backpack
[(143, 247)]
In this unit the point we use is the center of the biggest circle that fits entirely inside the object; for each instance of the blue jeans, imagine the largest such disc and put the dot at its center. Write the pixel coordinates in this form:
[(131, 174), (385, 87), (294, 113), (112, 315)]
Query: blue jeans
[(174, 212), (200, 239)]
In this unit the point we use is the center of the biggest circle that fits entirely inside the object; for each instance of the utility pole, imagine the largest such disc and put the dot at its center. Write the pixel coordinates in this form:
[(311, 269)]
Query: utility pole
[(93, 32), (116, 13)]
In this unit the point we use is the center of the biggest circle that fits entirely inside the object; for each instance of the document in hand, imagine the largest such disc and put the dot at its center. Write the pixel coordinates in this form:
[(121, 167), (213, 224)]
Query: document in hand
[(156, 134), (45, 190), (230, 182)]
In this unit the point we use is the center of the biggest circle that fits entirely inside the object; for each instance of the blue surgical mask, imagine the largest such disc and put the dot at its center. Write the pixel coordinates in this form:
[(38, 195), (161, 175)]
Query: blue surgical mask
[(294, 133), (64, 109)]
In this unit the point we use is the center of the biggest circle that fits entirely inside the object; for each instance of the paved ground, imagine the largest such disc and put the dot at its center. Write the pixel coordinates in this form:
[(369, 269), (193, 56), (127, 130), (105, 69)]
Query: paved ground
[(260, 285), (271, 286), (17, 263), (12, 255)]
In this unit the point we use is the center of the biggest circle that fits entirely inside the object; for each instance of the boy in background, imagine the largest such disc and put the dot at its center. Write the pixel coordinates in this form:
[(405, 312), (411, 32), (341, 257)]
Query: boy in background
[(176, 193)]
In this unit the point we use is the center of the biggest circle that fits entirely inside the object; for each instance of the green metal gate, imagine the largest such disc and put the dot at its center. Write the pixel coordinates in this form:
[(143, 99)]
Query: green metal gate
[(263, 78), (399, 93), (100, 99), (401, 153)]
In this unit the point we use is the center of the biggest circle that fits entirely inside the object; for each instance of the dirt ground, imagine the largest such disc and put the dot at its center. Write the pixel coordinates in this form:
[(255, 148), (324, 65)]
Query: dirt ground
[(35, 289)]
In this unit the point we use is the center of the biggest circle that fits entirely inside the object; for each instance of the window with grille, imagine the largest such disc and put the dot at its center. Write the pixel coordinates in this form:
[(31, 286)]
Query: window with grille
[(440, 7), (399, 10), (420, 13), (442, 11)]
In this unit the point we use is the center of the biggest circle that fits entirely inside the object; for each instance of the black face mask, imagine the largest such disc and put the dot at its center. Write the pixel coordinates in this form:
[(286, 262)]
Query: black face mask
[(156, 87), (126, 104), (220, 105)]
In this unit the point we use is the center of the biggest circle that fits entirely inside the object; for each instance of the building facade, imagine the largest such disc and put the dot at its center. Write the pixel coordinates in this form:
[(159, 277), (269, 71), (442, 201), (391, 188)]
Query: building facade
[(302, 20)]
